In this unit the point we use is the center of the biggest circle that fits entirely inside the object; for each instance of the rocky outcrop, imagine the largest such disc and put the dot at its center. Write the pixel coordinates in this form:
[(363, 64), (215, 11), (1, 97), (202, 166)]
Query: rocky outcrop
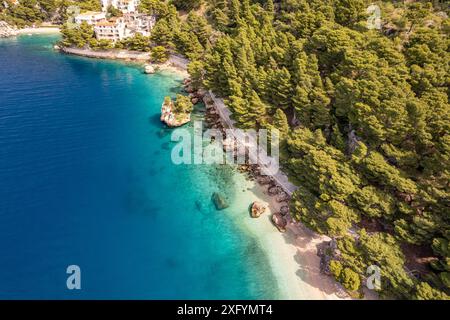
[(352, 142), (264, 180), (149, 69), (6, 30), (257, 209), (219, 201), (327, 251), (284, 210), (279, 221), (170, 118), (275, 190)]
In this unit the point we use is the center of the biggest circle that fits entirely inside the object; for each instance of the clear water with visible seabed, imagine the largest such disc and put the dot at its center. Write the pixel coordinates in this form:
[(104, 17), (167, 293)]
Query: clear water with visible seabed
[(86, 179)]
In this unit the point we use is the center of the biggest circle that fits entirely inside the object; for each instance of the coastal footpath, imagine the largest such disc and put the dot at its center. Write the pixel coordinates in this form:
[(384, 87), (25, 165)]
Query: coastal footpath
[(7, 30), (292, 253), (108, 54)]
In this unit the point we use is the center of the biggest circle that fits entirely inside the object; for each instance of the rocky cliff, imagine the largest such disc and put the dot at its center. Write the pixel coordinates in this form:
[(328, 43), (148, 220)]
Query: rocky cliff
[(6, 30)]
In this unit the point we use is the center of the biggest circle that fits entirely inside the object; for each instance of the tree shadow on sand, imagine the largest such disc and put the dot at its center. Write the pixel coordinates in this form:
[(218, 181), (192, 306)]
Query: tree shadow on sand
[(309, 263)]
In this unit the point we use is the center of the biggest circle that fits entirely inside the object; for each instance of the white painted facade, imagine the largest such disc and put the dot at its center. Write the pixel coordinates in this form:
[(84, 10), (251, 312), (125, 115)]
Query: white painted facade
[(90, 17), (113, 30), (126, 6), (139, 23)]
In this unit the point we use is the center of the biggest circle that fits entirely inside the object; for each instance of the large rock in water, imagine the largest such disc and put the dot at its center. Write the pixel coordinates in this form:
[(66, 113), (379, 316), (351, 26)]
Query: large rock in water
[(219, 201), (279, 221), (257, 209)]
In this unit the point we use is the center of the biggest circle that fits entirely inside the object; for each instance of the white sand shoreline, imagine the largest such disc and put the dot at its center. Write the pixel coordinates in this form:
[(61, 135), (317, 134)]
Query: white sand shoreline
[(167, 67), (39, 30), (292, 255)]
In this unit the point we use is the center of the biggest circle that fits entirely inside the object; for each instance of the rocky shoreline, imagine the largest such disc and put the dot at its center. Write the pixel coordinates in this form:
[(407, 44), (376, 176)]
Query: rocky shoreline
[(107, 54), (7, 31), (281, 218)]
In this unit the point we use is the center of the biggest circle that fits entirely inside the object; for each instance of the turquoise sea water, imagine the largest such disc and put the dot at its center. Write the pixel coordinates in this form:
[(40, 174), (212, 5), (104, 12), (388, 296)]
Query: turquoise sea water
[(86, 179)]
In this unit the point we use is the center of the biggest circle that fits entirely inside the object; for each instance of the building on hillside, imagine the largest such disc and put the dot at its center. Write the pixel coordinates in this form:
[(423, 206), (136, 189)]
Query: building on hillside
[(113, 29), (13, 2), (126, 6), (139, 23), (90, 17)]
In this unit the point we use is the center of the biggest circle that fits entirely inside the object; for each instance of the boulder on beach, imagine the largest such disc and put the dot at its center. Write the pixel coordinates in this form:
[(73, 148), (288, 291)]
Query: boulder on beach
[(264, 180), (274, 190), (201, 93), (189, 89), (284, 210), (279, 221), (219, 201), (257, 209), (283, 197)]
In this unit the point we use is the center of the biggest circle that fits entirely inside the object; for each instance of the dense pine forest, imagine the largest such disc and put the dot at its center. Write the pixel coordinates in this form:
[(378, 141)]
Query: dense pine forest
[(363, 114), (28, 12)]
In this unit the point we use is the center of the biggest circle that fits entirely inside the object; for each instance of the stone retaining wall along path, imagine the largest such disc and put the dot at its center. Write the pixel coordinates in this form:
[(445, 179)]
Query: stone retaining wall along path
[(109, 54), (280, 178)]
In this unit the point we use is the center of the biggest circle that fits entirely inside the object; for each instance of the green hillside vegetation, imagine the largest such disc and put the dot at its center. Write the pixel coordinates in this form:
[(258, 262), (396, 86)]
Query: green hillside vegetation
[(365, 114), (29, 12)]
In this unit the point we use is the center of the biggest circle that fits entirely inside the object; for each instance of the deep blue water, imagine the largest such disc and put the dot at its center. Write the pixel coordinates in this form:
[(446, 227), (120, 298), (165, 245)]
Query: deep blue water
[(86, 179)]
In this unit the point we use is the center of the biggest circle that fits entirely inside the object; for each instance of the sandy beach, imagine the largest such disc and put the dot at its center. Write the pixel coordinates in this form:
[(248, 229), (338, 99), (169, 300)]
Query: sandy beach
[(292, 255), (39, 30), (169, 67)]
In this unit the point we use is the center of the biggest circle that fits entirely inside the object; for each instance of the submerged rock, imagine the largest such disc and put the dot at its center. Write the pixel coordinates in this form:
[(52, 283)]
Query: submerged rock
[(257, 209), (279, 221), (198, 205), (163, 133), (283, 197), (219, 201)]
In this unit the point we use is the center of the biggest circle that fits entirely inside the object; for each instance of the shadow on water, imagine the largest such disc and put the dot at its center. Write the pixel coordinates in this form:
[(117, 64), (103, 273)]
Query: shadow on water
[(155, 120), (165, 146), (176, 90), (163, 132), (172, 263)]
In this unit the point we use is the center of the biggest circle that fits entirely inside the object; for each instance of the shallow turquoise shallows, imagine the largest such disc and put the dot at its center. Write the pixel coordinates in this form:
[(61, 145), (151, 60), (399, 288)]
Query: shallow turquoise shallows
[(86, 179)]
